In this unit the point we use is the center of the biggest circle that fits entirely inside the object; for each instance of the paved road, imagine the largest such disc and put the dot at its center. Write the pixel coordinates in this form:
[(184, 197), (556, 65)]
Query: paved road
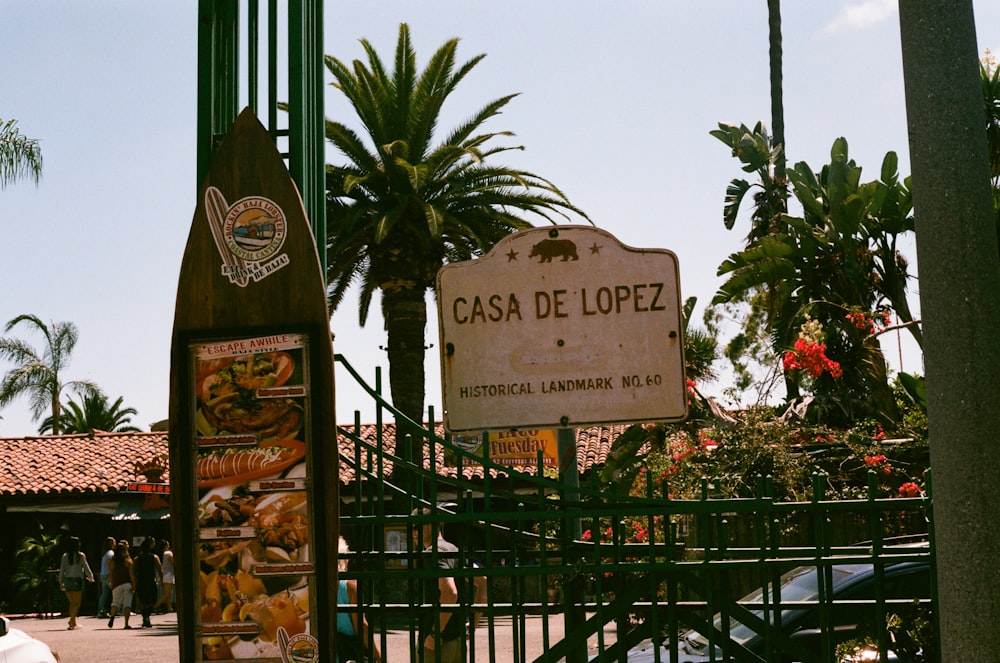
[(94, 642)]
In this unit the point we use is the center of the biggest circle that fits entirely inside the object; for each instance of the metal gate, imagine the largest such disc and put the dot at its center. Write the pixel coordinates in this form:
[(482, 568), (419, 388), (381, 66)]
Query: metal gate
[(567, 580)]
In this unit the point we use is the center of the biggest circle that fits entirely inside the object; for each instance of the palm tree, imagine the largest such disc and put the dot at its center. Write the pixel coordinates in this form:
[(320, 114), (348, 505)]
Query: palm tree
[(404, 205), (94, 413), (777, 98), (19, 156), (40, 376)]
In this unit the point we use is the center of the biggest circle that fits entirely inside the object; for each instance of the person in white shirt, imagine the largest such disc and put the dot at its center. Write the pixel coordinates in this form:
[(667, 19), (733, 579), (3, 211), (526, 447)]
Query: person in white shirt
[(73, 570)]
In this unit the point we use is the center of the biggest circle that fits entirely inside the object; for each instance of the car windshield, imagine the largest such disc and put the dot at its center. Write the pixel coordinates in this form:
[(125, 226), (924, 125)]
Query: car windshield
[(796, 585)]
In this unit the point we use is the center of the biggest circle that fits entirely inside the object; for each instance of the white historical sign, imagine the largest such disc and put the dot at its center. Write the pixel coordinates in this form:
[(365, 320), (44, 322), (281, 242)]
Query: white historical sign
[(561, 326)]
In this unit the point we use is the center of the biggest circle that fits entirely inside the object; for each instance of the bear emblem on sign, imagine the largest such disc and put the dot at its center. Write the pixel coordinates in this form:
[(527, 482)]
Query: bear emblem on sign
[(547, 249)]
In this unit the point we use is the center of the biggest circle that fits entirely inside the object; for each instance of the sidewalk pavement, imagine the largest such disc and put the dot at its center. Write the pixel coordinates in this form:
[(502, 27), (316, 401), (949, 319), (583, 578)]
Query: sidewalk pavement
[(94, 642)]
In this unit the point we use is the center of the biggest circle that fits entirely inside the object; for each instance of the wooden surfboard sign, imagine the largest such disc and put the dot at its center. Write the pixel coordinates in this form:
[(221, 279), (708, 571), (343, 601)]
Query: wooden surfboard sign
[(252, 417)]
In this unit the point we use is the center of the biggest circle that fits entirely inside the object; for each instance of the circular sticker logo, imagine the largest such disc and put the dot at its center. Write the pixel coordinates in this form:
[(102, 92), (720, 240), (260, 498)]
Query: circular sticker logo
[(302, 648), (254, 228)]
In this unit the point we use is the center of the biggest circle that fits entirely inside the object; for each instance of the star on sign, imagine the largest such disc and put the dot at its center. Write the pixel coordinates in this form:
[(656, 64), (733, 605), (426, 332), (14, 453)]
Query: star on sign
[(596, 248), (512, 256)]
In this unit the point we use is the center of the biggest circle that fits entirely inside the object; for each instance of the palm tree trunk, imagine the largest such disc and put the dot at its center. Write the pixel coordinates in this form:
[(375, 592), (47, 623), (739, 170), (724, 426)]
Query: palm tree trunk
[(778, 131), (405, 313), (777, 102), (56, 413)]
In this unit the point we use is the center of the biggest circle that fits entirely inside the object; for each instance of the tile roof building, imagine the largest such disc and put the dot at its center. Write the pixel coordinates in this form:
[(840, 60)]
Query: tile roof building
[(98, 466), (80, 484)]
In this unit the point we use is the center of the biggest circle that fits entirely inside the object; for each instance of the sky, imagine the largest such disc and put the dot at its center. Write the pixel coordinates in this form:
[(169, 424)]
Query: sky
[(616, 103)]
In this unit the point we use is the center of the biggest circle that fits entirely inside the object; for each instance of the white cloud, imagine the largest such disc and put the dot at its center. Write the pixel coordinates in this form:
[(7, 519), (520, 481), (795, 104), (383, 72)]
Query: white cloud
[(862, 15)]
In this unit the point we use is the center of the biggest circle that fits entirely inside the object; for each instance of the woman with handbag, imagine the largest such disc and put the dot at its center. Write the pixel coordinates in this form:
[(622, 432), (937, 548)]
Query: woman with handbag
[(73, 570)]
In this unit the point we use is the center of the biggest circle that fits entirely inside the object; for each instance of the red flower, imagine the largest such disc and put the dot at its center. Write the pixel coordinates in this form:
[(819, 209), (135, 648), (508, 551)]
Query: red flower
[(860, 321), (909, 489), (586, 535), (879, 462), (874, 461), (870, 322), (683, 452), (812, 358)]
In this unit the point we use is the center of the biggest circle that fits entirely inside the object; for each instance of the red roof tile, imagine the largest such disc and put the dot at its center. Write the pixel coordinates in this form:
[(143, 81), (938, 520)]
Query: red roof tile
[(99, 463), (86, 464), (593, 444)]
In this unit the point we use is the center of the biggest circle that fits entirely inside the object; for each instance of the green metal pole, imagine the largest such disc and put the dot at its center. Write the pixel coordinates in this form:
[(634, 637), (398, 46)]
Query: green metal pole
[(306, 121), (572, 592), (218, 43)]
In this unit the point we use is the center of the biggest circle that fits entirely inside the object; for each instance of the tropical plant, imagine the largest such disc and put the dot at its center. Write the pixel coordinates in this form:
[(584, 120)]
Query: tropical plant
[(700, 347), (403, 205), (39, 376), (758, 154), (33, 561), (836, 269), (756, 370), (93, 413), (19, 156), (759, 455), (765, 157)]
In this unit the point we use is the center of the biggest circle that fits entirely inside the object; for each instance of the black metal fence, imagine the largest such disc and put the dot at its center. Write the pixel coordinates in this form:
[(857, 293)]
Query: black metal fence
[(573, 573)]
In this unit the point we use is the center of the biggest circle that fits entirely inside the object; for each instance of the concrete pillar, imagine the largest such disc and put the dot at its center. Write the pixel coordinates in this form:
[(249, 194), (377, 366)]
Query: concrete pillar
[(959, 287)]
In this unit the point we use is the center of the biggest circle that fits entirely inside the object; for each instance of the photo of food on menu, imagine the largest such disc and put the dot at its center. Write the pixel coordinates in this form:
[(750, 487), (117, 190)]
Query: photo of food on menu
[(254, 529)]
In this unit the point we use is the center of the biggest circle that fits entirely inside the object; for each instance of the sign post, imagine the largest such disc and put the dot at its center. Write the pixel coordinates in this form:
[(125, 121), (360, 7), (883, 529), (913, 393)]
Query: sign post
[(253, 455), (559, 328)]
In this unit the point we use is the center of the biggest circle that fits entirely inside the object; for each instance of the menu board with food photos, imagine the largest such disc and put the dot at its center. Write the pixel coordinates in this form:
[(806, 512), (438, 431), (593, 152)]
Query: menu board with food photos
[(254, 530)]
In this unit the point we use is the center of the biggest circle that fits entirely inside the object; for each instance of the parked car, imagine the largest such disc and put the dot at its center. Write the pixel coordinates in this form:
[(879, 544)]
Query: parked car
[(799, 640), (16, 646)]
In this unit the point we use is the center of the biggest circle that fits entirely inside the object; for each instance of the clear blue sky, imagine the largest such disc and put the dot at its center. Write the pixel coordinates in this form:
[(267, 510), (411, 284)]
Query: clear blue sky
[(617, 99)]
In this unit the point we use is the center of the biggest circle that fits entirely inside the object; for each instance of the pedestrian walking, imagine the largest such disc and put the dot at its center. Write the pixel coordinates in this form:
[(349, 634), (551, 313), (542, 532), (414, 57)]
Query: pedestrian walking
[(122, 574), (165, 603), (147, 577), (73, 570), (104, 599), (442, 632)]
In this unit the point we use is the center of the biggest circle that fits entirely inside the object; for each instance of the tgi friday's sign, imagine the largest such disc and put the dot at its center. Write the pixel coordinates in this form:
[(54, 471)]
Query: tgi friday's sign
[(561, 327)]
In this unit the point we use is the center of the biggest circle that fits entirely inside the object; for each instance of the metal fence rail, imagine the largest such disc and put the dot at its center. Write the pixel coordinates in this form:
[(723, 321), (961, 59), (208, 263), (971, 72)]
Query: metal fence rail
[(577, 574)]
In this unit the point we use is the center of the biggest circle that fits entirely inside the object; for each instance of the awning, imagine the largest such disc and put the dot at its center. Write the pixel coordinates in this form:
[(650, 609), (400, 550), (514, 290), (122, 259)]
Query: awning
[(99, 508), (142, 507)]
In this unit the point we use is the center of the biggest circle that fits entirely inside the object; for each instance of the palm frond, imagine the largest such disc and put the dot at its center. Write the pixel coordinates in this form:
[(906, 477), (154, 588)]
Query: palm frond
[(20, 156), (405, 202)]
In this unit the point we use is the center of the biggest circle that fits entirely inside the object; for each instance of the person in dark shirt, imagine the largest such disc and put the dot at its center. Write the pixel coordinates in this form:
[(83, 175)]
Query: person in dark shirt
[(147, 576), (442, 632)]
